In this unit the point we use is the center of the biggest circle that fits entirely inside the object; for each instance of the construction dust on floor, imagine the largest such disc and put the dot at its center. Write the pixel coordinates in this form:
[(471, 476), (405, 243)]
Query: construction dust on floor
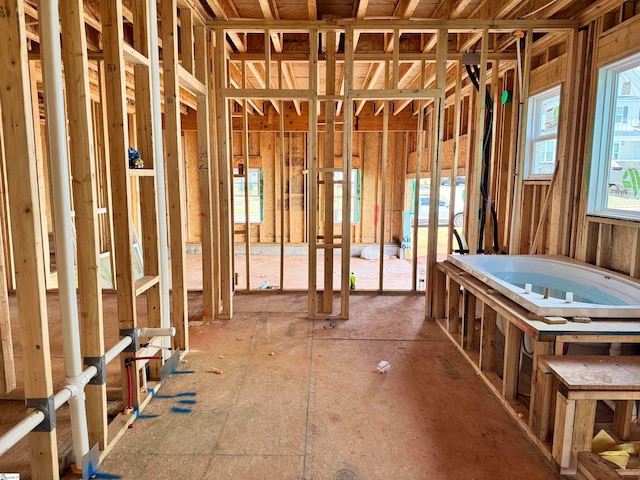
[(296, 400)]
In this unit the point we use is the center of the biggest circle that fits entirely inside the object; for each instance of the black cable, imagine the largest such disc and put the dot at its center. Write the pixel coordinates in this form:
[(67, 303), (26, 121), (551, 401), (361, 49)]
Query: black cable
[(474, 76)]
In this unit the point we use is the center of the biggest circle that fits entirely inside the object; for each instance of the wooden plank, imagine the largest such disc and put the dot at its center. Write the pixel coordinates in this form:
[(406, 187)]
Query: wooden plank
[(473, 184), (512, 342), (7, 364), (225, 227), (516, 215), (204, 170), (43, 180), (596, 372), (186, 39), (622, 418), (540, 408), (116, 109), (245, 175), (312, 165), (83, 171), (488, 339), (384, 159), (635, 255), (456, 153), (469, 320), (436, 166), (604, 248), (24, 205), (593, 467), (329, 158), (175, 172), (347, 150), (453, 305), (583, 422)]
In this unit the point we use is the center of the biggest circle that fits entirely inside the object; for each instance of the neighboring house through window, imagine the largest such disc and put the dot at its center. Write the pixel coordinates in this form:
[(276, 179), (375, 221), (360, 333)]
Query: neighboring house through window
[(542, 134)]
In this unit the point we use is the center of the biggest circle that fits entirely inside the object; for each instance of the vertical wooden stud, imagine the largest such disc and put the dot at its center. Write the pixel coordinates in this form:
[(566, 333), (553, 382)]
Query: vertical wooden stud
[(204, 169), (473, 190), (83, 170), (175, 172), (224, 176), (19, 144), (436, 165), (329, 161), (116, 103)]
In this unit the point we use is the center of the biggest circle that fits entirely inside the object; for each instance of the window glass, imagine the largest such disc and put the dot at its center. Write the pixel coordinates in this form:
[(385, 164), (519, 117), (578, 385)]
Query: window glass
[(614, 187), (255, 197), (355, 196), (542, 134)]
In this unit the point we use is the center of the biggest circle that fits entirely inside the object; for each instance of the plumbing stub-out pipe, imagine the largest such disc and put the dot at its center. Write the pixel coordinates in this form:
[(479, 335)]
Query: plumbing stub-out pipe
[(60, 186), (157, 332)]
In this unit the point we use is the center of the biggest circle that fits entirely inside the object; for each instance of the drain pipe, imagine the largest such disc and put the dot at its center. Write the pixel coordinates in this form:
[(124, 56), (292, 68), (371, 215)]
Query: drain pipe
[(158, 163), (58, 155)]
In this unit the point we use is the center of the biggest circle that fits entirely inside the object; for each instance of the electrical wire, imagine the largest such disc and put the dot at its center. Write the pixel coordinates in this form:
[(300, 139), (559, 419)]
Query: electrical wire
[(474, 76)]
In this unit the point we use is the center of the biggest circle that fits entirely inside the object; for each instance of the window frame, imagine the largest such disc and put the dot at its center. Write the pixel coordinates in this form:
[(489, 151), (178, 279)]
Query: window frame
[(533, 131), (603, 139), (356, 196), (259, 183)]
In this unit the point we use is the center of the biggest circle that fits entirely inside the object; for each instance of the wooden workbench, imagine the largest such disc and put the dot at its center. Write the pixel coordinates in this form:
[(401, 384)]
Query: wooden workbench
[(458, 319)]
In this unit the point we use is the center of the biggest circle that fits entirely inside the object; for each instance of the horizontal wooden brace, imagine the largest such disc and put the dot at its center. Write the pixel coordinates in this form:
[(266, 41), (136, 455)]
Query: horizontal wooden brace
[(268, 94), (405, 94), (388, 25)]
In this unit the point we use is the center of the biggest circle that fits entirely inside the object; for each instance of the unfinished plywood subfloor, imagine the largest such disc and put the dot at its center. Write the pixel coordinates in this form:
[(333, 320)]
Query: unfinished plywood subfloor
[(16, 460), (317, 408)]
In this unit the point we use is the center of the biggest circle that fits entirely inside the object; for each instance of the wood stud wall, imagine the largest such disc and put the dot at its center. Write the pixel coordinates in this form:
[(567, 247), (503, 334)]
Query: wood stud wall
[(540, 217), (103, 123)]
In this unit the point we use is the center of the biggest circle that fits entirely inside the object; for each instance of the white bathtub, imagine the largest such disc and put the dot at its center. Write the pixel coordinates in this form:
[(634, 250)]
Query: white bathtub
[(596, 292)]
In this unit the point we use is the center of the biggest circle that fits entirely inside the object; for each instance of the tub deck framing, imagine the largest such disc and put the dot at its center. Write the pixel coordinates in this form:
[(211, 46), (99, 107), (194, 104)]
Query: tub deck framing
[(457, 294)]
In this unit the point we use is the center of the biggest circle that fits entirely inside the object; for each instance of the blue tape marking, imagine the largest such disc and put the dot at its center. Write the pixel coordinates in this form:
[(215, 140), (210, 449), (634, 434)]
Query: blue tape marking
[(178, 372), (143, 415), (180, 410), (187, 402), (177, 395), (91, 470), (105, 475)]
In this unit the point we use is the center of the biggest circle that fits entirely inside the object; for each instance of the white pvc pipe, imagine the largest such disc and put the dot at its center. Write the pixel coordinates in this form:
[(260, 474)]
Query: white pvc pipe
[(157, 332), (117, 349), (154, 61), (57, 134), (20, 431)]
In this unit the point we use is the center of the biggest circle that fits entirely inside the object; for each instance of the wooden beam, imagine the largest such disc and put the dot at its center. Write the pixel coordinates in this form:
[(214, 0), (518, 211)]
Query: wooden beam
[(456, 153), (312, 178), (175, 172), (83, 171), (120, 185), (7, 363), (347, 150), (19, 144), (186, 39), (436, 165), (473, 184), (329, 159), (224, 179), (516, 216), (204, 171)]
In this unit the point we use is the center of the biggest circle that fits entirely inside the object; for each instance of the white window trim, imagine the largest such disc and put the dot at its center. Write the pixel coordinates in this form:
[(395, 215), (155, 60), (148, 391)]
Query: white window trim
[(532, 130), (602, 145)]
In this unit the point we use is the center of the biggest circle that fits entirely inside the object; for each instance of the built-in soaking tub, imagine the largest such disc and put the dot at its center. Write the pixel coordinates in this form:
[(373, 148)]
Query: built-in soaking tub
[(575, 289)]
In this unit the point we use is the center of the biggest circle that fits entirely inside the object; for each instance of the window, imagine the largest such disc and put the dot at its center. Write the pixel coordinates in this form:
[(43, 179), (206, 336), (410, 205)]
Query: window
[(621, 114), (542, 134), (614, 184), (256, 213), (356, 182)]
